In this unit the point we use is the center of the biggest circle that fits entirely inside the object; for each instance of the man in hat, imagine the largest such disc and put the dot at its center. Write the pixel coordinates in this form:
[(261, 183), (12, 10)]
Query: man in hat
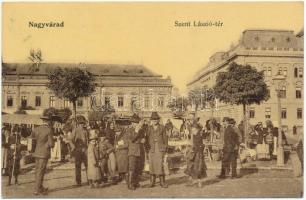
[(44, 142), (231, 141), (79, 144), (135, 137), (158, 142)]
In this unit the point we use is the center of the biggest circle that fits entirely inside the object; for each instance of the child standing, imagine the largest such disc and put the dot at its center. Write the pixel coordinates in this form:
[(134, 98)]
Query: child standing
[(93, 171)]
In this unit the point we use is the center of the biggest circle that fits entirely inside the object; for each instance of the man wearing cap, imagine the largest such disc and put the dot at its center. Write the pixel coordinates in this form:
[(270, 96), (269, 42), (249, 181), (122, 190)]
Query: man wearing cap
[(44, 142), (134, 140), (79, 144), (158, 142), (231, 141)]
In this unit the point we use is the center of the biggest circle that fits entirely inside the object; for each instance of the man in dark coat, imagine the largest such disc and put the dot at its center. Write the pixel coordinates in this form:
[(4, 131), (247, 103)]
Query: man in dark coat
[(134, 140), (79, 144), (231, 141), (44, 142), (158, 142)]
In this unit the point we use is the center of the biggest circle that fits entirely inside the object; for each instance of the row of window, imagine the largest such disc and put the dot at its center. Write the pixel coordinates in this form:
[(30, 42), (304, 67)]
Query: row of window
[(107, 101), (298, 72), (283, 92), (288, 39), (299, 113), (120, 102), (272, 48)]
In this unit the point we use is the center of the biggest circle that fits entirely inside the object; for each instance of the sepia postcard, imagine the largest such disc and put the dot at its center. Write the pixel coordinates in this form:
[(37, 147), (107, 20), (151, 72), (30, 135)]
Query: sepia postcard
[(152, 100)]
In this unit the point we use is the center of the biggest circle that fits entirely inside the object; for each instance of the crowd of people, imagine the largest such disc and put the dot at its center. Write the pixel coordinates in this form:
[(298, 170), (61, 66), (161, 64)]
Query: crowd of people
[(116, 150), (264, 139)]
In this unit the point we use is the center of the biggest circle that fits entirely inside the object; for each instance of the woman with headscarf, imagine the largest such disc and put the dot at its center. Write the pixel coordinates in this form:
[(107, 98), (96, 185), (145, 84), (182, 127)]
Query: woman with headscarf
[(110, 136)]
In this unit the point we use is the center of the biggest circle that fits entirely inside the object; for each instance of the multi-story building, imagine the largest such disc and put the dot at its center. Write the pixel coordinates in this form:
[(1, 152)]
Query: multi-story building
[(274, 52), (127, 88)]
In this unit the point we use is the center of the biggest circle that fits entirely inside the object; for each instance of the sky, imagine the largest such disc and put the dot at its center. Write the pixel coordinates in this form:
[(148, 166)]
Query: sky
[(138, 33)]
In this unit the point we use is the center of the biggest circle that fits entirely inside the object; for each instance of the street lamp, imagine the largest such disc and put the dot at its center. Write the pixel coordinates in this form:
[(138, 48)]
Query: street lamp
[(279, 82)]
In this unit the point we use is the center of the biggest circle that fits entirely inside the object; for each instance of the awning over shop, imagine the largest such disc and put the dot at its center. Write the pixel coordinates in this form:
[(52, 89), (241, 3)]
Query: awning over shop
[(21, 119)]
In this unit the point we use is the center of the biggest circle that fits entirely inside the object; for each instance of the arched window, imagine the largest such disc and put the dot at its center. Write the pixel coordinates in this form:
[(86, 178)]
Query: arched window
[(295, 72)]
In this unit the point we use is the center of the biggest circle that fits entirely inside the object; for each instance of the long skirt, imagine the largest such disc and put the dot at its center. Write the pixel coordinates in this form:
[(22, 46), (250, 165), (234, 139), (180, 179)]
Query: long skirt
[(262, 151), (111, 164), (196, 168)]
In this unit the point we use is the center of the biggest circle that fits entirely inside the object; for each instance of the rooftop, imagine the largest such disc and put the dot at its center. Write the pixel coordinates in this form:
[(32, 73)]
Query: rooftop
[(97, 69)]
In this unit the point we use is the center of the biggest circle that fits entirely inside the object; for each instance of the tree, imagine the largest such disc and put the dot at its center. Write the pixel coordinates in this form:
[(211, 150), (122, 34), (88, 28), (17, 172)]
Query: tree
[(64, 114), (201, 97), (71, 84), (196, 97), (241, 85)]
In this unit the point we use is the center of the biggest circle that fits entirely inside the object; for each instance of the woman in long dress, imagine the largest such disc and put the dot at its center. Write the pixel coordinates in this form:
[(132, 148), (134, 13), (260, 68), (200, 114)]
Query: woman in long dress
[(196, 167), (93, 170), (111, 163)]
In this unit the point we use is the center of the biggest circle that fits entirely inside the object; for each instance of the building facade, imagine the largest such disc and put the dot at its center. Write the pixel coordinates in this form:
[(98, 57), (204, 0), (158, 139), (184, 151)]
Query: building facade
[(274, 52), (127, 88)]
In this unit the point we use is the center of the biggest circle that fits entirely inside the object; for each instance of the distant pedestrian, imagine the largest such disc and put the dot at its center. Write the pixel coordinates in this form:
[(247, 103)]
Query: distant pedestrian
[(44, 142), (169, 128)]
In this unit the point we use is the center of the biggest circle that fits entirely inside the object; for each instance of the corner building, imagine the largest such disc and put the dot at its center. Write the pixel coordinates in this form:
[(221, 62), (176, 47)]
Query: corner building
[(271, 51)]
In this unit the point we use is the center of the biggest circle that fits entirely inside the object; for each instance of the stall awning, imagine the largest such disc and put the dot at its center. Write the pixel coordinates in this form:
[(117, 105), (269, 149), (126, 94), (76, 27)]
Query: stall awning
[(21, 119)]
